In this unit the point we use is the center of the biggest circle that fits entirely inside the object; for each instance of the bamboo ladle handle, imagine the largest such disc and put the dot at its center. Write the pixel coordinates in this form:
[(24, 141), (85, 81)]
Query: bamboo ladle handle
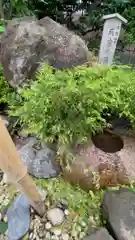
[(14, 168)]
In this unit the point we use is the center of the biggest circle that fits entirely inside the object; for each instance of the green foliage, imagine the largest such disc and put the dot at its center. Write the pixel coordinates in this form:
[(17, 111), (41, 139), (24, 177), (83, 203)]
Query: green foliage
[(70, 103), (2, 29), (85, 207), (8, 95), (21, 8), (2, 26), (5, 90), (16, 8), (129, 14)]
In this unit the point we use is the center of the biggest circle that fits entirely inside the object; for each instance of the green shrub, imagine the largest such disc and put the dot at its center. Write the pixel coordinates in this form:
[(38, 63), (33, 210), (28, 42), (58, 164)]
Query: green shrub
[(5, 90), (70, 103)]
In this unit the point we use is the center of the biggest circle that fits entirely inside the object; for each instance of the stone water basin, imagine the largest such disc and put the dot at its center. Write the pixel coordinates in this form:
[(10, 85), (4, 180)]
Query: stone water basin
[(107, 160)]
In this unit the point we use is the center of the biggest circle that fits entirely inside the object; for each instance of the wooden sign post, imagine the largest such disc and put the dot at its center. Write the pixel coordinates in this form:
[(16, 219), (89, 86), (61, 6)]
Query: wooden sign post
[(16, 172), (110, 36)]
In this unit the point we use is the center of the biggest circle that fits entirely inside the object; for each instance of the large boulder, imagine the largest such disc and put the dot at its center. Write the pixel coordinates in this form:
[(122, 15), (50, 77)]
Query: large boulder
[(106, 160), (100, 234), (118, 210), (27, 44), (15, 21)]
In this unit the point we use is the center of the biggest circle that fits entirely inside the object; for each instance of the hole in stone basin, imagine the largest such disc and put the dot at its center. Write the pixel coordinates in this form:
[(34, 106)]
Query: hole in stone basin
[(108, 142)]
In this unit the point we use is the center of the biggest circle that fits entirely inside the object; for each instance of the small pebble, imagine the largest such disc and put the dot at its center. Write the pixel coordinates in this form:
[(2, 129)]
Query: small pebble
[(53, 237), (32, 225), (32, 210), (37, 219), (55, 216), (41, 234), (6, 202), (48, 225), (65, 236), (47, 203), (2, 197), (34, 236), (82, 235), (31, 235), (66, 212), (83, 224), (79, 229), (63, 205), (47, 236), (38, 238), (74, 233), (5, 219), (43, 220), (57, 232)]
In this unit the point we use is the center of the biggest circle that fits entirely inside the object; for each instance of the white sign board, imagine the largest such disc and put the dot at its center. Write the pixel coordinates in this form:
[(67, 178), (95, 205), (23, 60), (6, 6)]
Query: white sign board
[(110, 36)]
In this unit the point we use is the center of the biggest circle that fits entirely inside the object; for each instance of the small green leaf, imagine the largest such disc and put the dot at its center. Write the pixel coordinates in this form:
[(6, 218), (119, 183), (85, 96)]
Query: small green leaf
[(3, 227), (25, 237), (2, 28)]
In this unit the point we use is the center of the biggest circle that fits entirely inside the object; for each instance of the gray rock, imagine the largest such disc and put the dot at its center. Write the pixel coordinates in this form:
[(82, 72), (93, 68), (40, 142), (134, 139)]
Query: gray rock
[(100, 234), (16, 21), (48, 226), (23, 134), (55, 216), (119, 210), (42, 192), (44, 164), (27, 153), (63, 204), (40, 163), (27, 44), (18, 218)]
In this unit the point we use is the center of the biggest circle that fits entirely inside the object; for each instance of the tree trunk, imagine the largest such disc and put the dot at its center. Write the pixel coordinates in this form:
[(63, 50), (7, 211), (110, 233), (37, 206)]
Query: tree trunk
[(1, 10)]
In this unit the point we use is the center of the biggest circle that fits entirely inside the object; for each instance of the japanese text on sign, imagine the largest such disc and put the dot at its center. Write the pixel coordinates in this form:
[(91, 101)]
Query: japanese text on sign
[(113, 34)]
